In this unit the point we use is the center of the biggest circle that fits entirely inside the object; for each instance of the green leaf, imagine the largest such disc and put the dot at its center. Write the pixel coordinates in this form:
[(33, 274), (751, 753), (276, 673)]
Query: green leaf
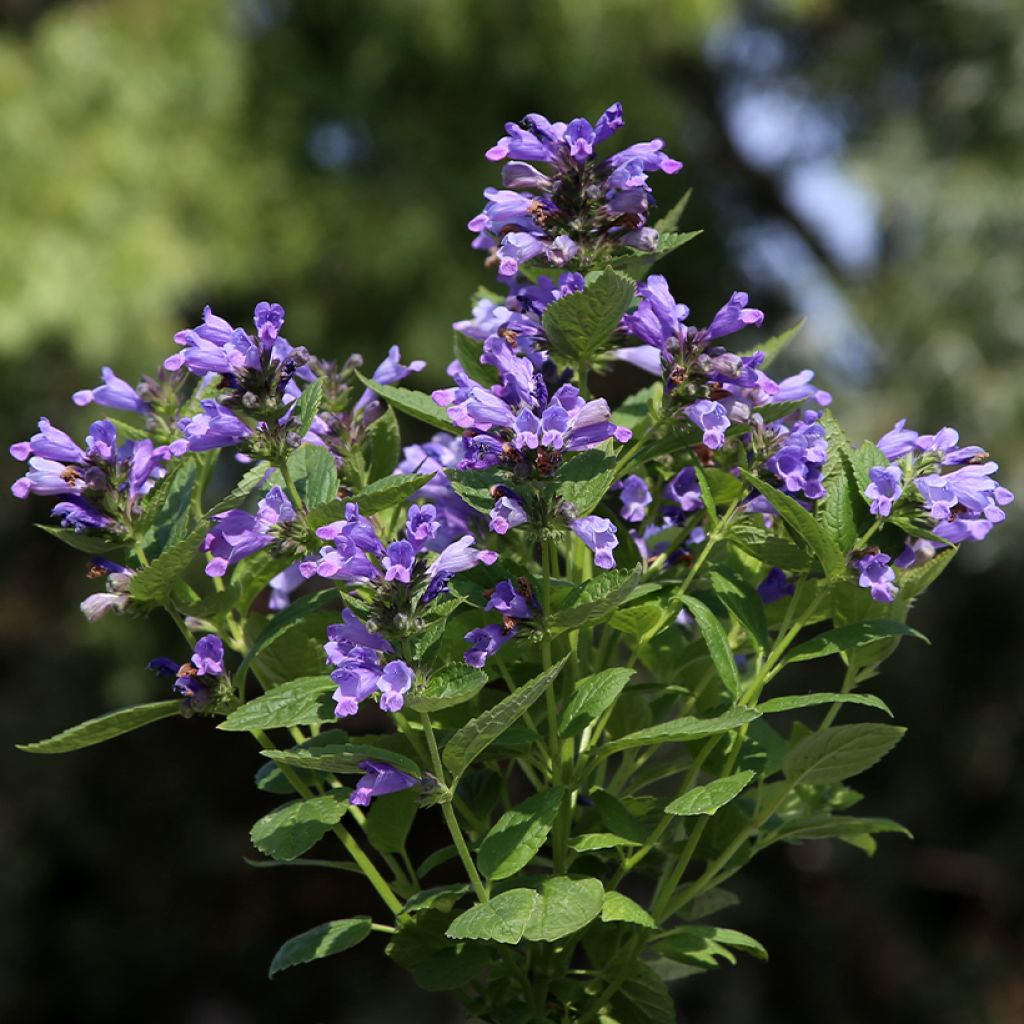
[(846, 638), (802, 525), (864, 458), (251, 480), (90, 543), (474, 486), (468, 353), (314, 473), (580, 325), (305, 701), (289, 831), (501, 919), (518, 834), (639, 406), (695, 937), (585, 478), (413, 403), (308, 405), (744, 603), (643, 999), (285, 620), (390, 491), (454, 684), (597, 598), (389, 820), (382, 446), (718, 644), (772, 550), (480, 732), (566, 905), (106, 727), (670, 221), (683, 730), (829, 826), (842, 509), (831, 755), (774, 346), (591, 841), (617, 907), (709, 798), (451, 968), (594, 695), (918, 578), (617, 817), (156, 581), (343, 760), (807, 700), (324, 940)]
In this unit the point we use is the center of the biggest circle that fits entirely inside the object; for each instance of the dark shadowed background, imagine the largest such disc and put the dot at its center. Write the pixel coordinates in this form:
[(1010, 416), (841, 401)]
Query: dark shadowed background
[(860, 163)]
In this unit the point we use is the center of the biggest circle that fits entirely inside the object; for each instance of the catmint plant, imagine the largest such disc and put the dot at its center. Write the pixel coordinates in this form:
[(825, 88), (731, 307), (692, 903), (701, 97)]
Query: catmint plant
[(558, 628)]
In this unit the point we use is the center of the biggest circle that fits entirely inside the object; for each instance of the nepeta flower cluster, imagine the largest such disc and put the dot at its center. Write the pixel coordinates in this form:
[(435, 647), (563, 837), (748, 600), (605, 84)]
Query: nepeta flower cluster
[(554, 625)]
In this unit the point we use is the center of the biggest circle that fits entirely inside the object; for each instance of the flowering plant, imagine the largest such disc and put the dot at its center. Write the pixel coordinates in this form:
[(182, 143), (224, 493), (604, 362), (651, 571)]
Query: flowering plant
[(424, 630)]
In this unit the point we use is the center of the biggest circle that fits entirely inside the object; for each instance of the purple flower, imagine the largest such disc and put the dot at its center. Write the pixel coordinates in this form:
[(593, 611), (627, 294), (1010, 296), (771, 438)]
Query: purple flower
[(774, 587), (422, 525), (453, 515), (391, 371), (192, 680), (398, 561), (507, 513), (599, 535), (238, 534), (116, 597), (580, 201), (485, 642), (965, 503), (733, 317), (379, 780), (511, 600), (395, 682), (876, 575), (684, 491), (884, 489), (282, 586), (635, 497), (113, 393), (215, 427), (800, 457), (712, 419)]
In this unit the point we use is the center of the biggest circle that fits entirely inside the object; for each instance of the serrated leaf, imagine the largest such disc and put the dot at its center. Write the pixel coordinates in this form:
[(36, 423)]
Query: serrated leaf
[(324, 940), (90, 543), (802, 525), (717, 643), (585, 478), (285, 620), (744, 603), (835, 754), (501, 919), (709, 798), (390, 491), (106, 727), (597, 598), (682, 730), (451, 968), (842, 509), (643, 999), (918, 578), (829, 826), (866, 456), (479, 733), (289, 831), (518, 834), (772, 550), (305, 701), (308, 405), (251, 480), (344, 760), (846, 638), (580, 325), (617, 907), (566, 905), (454, 684), (314, 473), (807, 700), (594, 695), (413, 403), (154, 583), (706, 933), (474, 486), (382, 446), (774, 346)]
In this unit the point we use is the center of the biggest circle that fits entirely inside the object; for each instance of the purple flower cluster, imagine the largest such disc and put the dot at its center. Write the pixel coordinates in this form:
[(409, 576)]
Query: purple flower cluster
[(100, 484), (238, 534), (516, 603), (196, 679), (405, 581), (798, 456), (577, 204)]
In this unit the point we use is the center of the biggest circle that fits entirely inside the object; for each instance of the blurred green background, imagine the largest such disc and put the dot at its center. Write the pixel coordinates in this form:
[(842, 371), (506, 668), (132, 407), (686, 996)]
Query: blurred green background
[(860, 163)]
